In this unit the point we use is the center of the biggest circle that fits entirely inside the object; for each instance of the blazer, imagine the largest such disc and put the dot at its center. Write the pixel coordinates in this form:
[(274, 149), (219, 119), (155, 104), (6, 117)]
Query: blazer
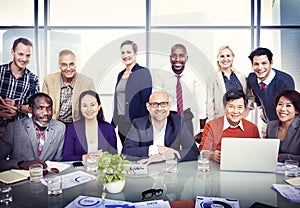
[(75, 144), (177, 136), (215, 92), (137, 92), (290, 148), (19, 142), (52, 86)]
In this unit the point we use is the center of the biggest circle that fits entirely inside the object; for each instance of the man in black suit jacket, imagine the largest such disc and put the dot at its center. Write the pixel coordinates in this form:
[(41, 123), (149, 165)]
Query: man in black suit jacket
[(161, 135)]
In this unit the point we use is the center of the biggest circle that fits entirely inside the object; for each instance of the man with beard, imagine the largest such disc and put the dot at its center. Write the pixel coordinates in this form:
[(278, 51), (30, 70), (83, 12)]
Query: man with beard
[(32, 140), (159, 136), (187, 92), (17, 84)]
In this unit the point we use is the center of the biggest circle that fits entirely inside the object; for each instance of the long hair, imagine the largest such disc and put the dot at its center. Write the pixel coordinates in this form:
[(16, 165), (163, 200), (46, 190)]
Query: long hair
[(100, 115)]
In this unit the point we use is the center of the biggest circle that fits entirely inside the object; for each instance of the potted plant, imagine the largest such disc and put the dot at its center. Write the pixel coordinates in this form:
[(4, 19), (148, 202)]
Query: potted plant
[(113, 169)]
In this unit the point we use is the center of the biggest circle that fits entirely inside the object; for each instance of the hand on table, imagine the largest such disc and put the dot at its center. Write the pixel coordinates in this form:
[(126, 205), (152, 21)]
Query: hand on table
[(168, 152), (25, 164), (215, 155), (152, 158)]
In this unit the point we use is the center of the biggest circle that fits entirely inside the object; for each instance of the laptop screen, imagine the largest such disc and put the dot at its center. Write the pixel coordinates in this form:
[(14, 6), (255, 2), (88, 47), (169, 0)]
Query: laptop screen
[(249, 154)]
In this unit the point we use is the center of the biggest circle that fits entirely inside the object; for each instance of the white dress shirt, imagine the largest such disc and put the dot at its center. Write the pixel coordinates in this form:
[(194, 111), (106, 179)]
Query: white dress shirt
[(158, 139)]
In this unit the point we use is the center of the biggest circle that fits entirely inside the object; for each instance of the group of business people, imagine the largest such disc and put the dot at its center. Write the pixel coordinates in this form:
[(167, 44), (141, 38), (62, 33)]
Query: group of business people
[(149, 130)]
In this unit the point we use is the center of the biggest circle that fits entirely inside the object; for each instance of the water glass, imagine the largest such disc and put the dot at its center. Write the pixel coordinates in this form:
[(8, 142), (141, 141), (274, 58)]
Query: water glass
[(291, 168), (203, 161), (171, 166), (36, 172), (5, 195), (54, 184), (91, 163)]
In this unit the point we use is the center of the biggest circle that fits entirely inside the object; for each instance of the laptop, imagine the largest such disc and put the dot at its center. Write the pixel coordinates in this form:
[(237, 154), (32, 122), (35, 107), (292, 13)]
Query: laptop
[(249, 154)]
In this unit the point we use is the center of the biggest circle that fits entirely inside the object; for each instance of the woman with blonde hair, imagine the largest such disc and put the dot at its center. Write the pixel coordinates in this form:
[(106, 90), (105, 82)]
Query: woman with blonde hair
[(225, 79)]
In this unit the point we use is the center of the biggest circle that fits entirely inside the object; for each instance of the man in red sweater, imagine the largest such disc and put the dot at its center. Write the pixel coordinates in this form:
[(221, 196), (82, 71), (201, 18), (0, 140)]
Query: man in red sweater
[(232, 124)]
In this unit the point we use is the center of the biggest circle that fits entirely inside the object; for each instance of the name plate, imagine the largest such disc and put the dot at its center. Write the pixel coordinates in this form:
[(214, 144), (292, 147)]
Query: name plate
[(137, 169)]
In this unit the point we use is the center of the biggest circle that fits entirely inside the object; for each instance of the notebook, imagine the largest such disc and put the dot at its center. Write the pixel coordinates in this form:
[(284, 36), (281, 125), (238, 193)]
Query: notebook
[(14, 175), (248, 154)]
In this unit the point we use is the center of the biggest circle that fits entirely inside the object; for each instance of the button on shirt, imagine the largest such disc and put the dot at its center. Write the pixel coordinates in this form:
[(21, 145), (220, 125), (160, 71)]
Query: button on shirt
[(17, 89), (158, 139)]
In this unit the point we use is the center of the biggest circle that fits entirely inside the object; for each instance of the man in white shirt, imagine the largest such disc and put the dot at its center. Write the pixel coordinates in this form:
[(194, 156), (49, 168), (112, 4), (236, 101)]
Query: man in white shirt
[(193, 90), (159, 136)]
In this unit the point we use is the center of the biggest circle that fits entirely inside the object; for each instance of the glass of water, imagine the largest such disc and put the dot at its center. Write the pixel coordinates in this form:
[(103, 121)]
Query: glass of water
[(91, 163), (171, 166), (54, 183), (203, 161), (5, 195), (291, 168)]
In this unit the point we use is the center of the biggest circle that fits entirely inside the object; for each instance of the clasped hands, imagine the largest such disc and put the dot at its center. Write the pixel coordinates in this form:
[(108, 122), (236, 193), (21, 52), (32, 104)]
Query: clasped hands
[(8, 108), (164, 153)]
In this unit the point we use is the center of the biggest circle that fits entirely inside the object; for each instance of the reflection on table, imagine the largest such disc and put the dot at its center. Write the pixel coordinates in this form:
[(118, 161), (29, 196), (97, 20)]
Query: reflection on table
[(186, 184)]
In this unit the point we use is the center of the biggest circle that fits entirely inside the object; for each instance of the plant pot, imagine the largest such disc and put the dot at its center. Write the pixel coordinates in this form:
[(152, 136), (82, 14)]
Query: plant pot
[(115, 187)]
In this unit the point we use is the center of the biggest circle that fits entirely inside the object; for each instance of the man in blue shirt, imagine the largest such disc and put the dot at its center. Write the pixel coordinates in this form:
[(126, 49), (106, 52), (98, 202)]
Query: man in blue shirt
[(266, 82)]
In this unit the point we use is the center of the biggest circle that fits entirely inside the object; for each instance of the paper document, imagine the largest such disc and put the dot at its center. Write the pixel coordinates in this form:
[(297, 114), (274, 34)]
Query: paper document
[(287, 191), (294, 181), (73, 179), (60, 166), (202, 201), (89, 201)]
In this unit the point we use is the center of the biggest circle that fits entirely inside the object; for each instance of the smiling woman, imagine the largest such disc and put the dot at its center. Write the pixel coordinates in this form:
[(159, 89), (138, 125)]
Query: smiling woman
[(91, 134)]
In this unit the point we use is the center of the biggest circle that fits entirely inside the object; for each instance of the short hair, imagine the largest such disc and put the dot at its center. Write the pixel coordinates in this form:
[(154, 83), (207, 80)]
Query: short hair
[(25, 41), (31, 100), (292, 95), (100, 115), (179, 45), (220, 50), (234, 95), (129, 42), (66, 52), (259, 52)]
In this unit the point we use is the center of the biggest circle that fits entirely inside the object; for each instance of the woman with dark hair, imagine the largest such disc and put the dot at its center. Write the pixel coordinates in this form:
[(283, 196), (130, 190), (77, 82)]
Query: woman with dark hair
[(287, 127), (91, 132)]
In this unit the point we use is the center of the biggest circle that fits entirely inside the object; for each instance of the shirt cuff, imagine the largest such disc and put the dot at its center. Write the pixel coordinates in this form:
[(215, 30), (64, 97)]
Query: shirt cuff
[(153, 150)]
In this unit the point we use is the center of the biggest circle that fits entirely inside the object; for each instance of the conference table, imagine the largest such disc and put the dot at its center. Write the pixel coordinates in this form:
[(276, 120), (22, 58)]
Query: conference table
[(186, 184)]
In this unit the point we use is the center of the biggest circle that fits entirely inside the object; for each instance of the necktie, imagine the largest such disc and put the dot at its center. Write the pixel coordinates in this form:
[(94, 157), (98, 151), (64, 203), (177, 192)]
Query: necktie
[(179, 96), (262, 86)]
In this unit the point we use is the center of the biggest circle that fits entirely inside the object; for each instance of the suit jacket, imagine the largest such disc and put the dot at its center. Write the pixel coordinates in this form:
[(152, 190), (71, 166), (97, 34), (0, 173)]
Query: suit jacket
[(290, 148), (75, 144), (177, 136), (137, 92), (215, 92), (52, 85), (20, 143)]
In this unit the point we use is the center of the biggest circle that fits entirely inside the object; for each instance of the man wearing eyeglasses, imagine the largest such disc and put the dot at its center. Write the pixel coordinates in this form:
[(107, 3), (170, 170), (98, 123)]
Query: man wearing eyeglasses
[(64, 88), (159, 136)]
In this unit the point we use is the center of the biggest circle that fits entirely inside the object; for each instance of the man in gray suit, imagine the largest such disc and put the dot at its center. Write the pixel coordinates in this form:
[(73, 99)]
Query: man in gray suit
[(32, 140)]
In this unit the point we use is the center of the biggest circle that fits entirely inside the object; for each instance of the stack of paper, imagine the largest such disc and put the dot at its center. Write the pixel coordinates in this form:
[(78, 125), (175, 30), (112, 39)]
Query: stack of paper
[(13, 175)]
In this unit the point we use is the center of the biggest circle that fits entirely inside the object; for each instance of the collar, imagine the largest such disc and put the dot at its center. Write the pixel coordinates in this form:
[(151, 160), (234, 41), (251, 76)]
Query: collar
[(164, 127), (269, 79), (37, 127), (227, 125), (72, 82)]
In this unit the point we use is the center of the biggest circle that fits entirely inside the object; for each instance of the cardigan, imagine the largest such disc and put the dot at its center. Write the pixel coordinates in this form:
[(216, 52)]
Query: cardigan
[(213, 133), (281, 81)]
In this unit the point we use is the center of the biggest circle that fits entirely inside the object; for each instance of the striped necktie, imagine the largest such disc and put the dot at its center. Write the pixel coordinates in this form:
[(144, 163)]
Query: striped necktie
[(179, 96)]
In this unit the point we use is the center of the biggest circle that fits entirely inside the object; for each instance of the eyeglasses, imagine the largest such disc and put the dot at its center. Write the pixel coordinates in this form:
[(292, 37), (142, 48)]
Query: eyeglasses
[(161, 104), (148, 194), (70, 65)]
